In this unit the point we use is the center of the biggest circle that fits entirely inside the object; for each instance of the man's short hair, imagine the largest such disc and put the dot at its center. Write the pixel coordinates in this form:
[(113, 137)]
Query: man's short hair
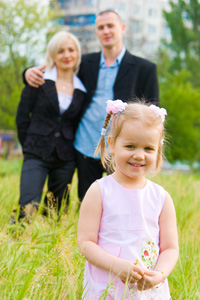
[(108, 10)]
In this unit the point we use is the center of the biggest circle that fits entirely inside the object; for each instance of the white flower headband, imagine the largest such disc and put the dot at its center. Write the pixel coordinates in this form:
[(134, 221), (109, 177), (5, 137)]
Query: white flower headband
[(160, 112), (114, 107)]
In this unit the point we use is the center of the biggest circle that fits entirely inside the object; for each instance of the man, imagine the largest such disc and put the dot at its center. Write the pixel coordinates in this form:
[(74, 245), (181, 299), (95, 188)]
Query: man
[(112, 73)]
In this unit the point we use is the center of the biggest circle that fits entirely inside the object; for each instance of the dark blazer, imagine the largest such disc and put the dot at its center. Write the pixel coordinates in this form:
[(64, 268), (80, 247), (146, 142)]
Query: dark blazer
[(41, 128), (137, 77)]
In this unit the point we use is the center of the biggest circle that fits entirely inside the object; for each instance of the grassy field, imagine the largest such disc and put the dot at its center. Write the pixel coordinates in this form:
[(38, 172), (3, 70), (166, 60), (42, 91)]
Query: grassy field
[(41, 260)]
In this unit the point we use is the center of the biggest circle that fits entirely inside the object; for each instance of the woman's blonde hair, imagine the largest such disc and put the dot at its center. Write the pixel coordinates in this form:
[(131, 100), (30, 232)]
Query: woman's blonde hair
[(137, 111), (55, 43)]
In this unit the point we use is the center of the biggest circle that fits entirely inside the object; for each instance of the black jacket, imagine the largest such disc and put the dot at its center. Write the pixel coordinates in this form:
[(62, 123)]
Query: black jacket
[(41, 128), (137, 77)]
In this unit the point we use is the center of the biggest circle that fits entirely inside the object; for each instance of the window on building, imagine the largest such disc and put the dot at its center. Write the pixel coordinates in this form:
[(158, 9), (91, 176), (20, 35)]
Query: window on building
[(87, 2), (137, 26), (185, 16), (60, 4), (167, 32), (122, 7), (152, 29), (152, 12), (136, 10)]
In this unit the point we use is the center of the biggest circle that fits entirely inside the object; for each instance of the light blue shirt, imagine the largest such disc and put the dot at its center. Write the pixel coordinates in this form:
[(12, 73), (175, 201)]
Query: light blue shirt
[(89, 130)]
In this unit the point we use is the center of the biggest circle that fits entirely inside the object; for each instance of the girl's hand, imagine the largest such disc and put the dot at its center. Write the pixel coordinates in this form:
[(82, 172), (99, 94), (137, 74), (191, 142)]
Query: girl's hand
[(127, 270), (150, 279)]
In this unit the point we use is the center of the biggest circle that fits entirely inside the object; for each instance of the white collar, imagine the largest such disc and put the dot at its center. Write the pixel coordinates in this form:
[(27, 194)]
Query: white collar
[(52, 75)]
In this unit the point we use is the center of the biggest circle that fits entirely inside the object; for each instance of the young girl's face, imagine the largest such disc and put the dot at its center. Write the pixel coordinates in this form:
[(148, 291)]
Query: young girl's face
[(135, 149)]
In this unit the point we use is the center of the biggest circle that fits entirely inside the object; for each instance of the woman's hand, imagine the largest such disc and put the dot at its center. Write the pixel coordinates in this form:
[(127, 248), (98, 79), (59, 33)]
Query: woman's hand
[(126, 270), (150, 279)]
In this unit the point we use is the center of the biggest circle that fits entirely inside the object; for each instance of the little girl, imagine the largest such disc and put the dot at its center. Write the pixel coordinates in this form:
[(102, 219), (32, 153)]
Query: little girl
[(127, 226)]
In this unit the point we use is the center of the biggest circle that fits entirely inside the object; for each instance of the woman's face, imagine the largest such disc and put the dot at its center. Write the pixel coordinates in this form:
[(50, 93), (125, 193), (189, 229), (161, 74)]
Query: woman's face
[(67, 55)]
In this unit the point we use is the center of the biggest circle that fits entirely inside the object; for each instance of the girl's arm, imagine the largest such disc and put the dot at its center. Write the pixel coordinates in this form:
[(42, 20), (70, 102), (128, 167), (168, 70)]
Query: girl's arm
[(88, 228), (169, 249)]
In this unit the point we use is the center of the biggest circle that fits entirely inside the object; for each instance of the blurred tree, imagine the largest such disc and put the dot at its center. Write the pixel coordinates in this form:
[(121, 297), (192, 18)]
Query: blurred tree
[(181, 100), (23, 25), (183, 20)]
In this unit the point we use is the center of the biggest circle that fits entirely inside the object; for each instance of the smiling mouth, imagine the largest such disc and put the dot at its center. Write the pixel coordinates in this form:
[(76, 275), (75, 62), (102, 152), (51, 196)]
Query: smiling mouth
[(136, 165), (107, 38)]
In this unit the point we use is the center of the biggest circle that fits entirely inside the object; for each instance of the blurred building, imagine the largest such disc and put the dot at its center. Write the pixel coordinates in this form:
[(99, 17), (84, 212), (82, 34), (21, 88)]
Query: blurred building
[(145, 24)]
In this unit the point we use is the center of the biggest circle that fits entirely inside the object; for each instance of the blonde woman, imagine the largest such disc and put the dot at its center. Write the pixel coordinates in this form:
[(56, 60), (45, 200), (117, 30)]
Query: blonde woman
[(47, 118)]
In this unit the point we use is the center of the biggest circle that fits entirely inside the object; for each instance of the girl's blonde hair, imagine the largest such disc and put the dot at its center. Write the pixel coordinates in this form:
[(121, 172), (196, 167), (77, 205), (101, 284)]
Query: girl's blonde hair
[(55, 43), (137, 111)]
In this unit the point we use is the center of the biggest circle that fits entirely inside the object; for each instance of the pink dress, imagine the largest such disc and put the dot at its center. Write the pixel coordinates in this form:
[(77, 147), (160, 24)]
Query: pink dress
[(129, 230)]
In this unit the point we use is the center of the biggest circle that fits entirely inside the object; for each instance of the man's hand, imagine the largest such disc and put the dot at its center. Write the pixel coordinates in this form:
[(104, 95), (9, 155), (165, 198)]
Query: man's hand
[(34, 76)]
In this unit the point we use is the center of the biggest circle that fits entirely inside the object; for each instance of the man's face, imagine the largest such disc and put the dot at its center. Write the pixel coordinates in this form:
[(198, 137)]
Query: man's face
[(109, 30)]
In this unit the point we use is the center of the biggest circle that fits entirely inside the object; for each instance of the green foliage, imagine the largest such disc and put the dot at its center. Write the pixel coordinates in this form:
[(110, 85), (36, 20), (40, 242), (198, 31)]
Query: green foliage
[(23, 25), (184, 280), (183, 121), (41, 261), (178, 69), (183, 20), (10, 94)]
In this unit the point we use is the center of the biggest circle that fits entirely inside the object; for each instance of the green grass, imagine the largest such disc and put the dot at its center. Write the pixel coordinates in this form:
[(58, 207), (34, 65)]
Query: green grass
[(41, 260)]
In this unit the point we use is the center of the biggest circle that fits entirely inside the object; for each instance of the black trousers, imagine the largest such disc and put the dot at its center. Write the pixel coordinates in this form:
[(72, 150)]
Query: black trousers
[(34, 173), (89, 170)]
